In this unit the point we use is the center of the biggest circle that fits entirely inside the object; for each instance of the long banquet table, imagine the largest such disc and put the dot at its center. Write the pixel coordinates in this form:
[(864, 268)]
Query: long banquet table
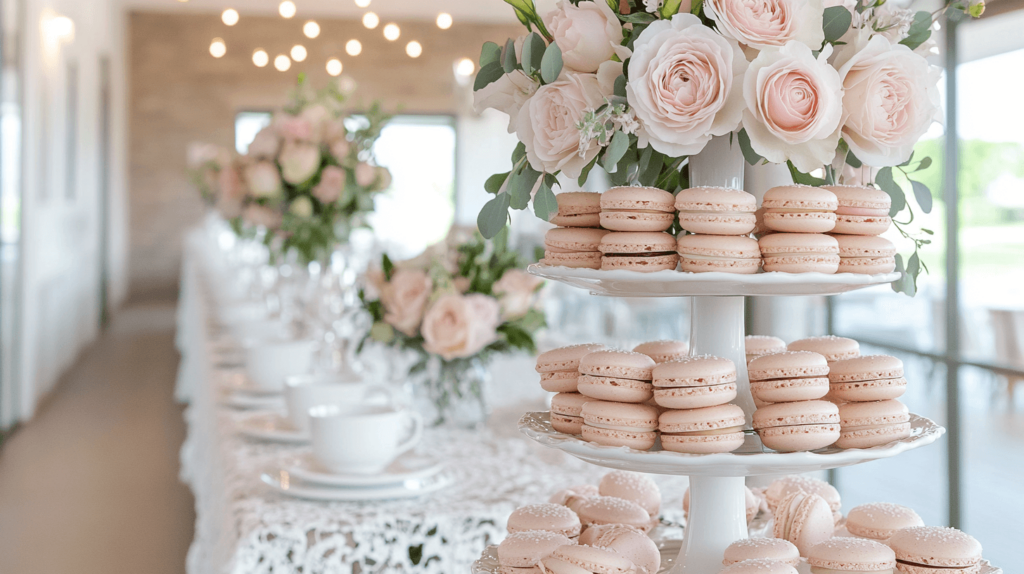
[(242, 526)]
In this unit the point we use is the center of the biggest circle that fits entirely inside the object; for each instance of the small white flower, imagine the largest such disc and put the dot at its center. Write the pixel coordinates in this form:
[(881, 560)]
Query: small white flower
[(652, 5)]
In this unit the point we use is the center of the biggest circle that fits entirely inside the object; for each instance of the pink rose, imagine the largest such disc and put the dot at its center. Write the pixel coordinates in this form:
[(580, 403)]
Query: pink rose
[(517, 292), (685, 84), (319, 118), (265, 145), (588, 34), (199, 155), (460, 326), (547, 124), (332, 182), (340, 149), (768, 23), (366, 174), (461, 284), (294, 128), (891, 98), (263, 179), (262, 216), (335, 130), (229, 183), (299, 161), (404, 299), (794, 106)]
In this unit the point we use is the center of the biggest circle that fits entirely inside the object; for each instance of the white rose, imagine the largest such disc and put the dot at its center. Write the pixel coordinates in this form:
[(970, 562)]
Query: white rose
[(265, 145), (299, 161), (318, 117), (587, 34), (794, 106), (404, 298), (547, 124), (507, 94), (263, 179), (767, 23), (302, 207), (332, 183), (685, 84), (460, 326), (340, 149), (890, 100), (517, 292), (365, 174)]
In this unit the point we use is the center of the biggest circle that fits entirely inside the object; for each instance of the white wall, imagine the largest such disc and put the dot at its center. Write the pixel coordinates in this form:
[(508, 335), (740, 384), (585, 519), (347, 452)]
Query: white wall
[(61, 235)]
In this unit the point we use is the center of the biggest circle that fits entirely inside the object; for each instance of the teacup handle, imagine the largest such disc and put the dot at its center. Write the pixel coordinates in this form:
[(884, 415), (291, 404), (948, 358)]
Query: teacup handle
[(417, 432)]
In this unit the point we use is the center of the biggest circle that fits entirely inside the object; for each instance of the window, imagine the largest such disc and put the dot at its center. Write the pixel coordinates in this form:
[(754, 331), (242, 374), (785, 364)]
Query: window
[(247, 125)]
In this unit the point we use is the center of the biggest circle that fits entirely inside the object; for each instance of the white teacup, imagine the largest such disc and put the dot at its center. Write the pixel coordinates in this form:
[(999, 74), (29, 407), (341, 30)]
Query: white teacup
[(269, 363), (303, 392), (353, 438), (254, 331), (242, 311)]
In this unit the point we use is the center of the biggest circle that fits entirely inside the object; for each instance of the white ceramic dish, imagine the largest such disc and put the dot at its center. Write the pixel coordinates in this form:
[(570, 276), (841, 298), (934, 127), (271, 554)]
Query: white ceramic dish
[(621, 283), (235, 380), (409, 466), (537, 426), (271, 427), (245, 401), (285, 483)]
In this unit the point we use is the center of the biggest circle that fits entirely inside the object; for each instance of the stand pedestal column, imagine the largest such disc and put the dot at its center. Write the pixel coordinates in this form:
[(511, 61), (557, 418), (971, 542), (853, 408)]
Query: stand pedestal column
[(717, 519), (717, 328)]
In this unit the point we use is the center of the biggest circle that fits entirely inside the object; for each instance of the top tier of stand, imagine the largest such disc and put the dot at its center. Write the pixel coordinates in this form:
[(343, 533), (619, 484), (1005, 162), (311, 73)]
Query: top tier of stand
[(621, 283)]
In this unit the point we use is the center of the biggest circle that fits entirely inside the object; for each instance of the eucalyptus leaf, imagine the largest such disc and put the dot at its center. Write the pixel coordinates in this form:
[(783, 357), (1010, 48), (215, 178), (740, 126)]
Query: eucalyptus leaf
[(923, 195), (533, 53), (920, 30), (519, 153), (897, 285), (670, 8), (489, 53), (487, 75), (493, 216), (585, 172), (645, 158), (545, 205), (551, 63), (697, 7), (853, 161), (620, 86), (885, 181), (836, 22), (649, 176), (509, 63), (752, 157), (494, 183), (925, 164), (616, 149), (638, 18), (802, 178), (521, 186)]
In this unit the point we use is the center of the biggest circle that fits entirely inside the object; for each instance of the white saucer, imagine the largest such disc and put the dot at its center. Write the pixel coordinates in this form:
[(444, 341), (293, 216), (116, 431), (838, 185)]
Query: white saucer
[(246, 401), (407, 467), (271, 427), (236, 380), (285, 483)]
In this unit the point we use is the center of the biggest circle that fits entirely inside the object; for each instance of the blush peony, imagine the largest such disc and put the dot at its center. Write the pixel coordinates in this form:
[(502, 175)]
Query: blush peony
[(299, 161), (332, 182), (547, 124), (404, 299), (769, 23), (588, 34), (263, 179), (517, 292), (460, 326)]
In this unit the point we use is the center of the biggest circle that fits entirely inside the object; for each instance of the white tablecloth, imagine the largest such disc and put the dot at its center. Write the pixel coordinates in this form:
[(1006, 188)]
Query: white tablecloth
[(244, 527)]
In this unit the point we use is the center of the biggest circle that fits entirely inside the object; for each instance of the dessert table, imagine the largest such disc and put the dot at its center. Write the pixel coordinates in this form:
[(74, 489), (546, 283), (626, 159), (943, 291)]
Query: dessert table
[(242, 526)]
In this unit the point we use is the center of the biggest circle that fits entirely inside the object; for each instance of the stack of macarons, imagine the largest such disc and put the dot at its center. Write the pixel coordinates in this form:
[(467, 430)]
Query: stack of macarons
[(786, 388), (867, 388), (718, 221), (775, 549), (935, 550), (697, 390), (638, 218), (757, 345), (851, 555), (574, 243), (617, 384), (664, 350), (559, 373), (831, 347), (861, 217), (796, 218)]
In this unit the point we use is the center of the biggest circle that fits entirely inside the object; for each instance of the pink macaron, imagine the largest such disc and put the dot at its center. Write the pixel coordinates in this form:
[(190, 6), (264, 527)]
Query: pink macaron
[(757, 345), (637, 209), (799, 426), (864, 425), (621, 376), (716, 211), (867, 378), (865, 254), (702, 431), (694, 382), (546, 516), (803, 519), (581, 559), (620, 424), (574, 247), (573, 496), (558, 368), (880, 520), (632, 486), (567, 412), (718, 253), (799, 209), (799, 253), (935, 550), (831, 347), (846, 554), (761, 548), (759, 566), (781, 488), (521, 552), (861, 210), (628, 541), (644, 251), (612, 510), (664, 350), (788, 376), (578, 209)]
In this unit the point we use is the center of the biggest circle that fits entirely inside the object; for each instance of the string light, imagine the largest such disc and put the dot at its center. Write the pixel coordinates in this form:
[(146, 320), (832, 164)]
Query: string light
[(229, 17), (392, 32), (465, 67), (286, 9), (362, 3), (334, 67), (218, 48), (299, 52), (444, 20), (414, 49), (353, 47), (260, 58), (282, 63), (311, 29), (371, 20)]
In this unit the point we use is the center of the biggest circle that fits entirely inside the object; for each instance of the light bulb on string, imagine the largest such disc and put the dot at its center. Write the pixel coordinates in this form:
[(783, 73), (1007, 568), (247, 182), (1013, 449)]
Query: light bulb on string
[(218, 48), (444, 20), (371, 20), (282, 63), (299, 52), (414, 49), (287, 9), (334, 67), (229, 17), (311, 29), (392, 32), (260, 58), (353, 47)]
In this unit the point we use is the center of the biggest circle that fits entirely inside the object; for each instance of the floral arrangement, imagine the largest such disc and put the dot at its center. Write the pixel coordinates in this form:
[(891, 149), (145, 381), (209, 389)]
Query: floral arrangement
[(831, 88), (460, 303), (307, 179)]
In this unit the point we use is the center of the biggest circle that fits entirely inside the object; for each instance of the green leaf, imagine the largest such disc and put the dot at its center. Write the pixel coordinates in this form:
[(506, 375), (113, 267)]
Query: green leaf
[(509, 63), (925, 164), (920, 30), (752, 157), (923, 195), (616, 149), (696, 7), (913, 272), (620, 86), (494, 183), (649, 176), (493, 216), (835, 23), (802, 178), (533, 53), (519, 153), (853, 161), (551, 63), (489, 53), (387, 266), (670, 8), (897, 285), (585, 173), (885, 181), (521, 185), (545, 205), (638, 18), (487, 75)]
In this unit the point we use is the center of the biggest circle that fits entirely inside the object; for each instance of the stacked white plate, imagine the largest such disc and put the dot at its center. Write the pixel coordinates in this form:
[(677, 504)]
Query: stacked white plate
[(409, 476)]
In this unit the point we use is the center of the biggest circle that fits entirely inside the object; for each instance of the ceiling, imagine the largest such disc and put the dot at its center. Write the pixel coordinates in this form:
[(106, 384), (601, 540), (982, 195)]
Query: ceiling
[(492, 11)]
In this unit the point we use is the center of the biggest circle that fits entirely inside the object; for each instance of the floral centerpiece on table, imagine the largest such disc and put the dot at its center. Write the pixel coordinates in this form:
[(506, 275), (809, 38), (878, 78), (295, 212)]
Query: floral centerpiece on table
[(308, 178), (456, 306), (831, 88)]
